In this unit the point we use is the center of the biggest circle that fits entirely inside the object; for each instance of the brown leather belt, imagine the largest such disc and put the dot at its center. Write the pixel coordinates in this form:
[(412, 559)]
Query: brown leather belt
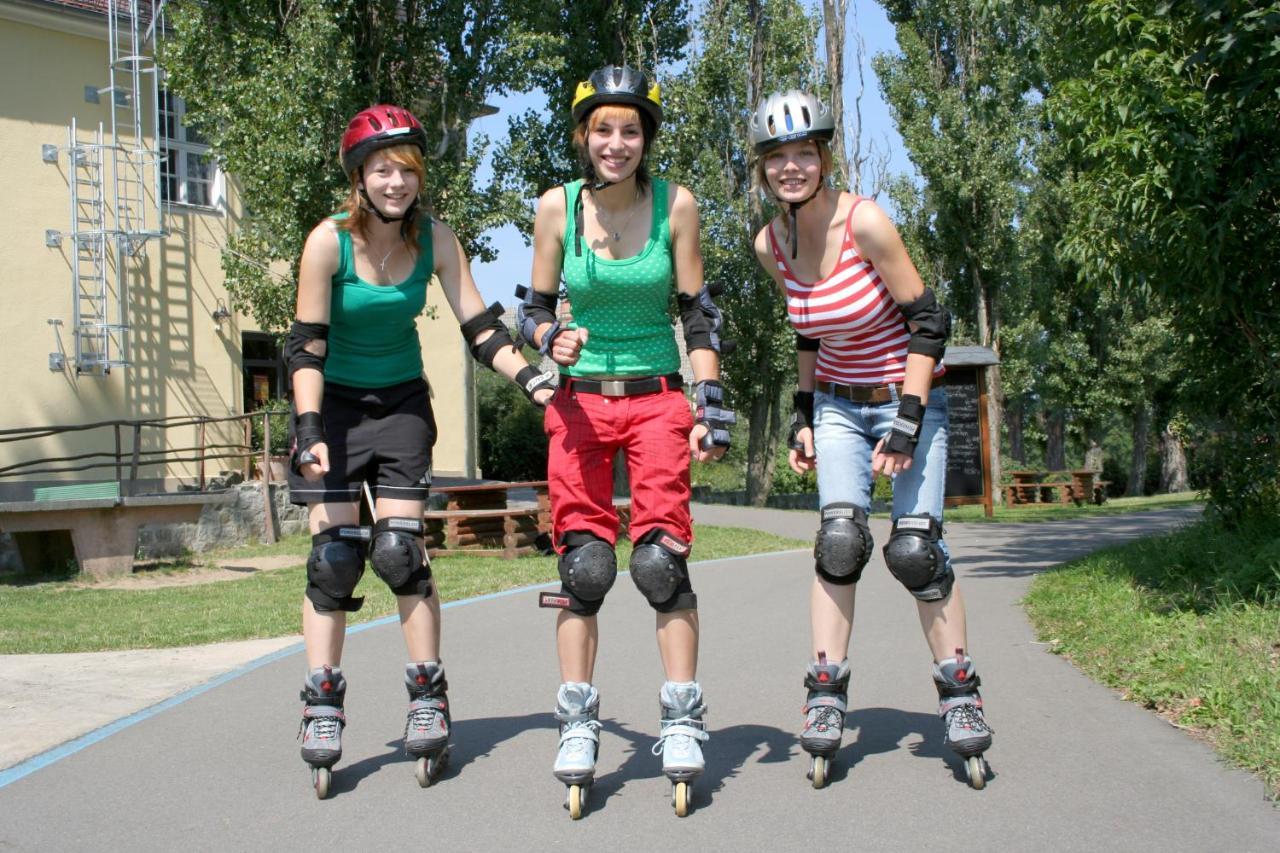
[(623, 387), (862, 393)]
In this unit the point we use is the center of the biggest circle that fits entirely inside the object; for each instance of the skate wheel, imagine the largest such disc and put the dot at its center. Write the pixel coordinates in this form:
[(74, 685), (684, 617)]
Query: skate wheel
[(977, 770), (423, 772), (818, 768), (577, 799), (321, 777), (681, 798)]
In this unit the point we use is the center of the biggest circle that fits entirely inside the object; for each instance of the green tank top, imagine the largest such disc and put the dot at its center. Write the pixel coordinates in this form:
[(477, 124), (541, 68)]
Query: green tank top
[(373, 336), (624, 305)]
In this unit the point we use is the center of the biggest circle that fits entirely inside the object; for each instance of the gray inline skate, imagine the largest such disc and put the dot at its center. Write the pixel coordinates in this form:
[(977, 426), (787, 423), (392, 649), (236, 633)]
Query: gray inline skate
[(578, 711), (426, 729), (322, 723), (824, 708), (680, 741), (960, 707)]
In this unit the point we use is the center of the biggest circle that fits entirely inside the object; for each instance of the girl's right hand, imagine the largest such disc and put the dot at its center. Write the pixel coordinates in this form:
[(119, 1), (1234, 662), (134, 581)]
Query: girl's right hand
[(567, 346), (803, 461), (315, 470)]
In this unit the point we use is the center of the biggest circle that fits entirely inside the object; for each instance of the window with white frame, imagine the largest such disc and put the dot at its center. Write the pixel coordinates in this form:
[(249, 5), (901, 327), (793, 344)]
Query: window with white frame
[(188, 174)]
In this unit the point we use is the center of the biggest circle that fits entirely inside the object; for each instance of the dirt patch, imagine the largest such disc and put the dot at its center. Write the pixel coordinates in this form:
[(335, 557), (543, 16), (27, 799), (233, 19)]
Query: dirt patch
[(156, 575)]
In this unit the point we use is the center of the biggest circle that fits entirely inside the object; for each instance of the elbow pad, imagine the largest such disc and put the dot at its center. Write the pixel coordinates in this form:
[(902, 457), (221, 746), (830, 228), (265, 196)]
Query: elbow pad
[(532, 311), (703, 322), (804, 344), (296, 354), (490, 318), (933, 325)]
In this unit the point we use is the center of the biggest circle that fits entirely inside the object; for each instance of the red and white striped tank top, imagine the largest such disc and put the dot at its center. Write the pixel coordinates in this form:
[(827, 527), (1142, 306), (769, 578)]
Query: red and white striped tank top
[(862, 332)]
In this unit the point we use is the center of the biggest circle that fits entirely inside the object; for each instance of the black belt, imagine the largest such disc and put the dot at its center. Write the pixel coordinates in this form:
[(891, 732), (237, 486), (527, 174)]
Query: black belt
[(624, 387), (862, 393)]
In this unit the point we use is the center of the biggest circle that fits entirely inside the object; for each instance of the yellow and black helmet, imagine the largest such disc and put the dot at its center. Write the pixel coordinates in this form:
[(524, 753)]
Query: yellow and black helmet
[(617, 84)]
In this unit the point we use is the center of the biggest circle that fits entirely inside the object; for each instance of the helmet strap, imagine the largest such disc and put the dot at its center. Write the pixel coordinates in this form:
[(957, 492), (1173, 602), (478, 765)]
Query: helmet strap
[(795, 206)]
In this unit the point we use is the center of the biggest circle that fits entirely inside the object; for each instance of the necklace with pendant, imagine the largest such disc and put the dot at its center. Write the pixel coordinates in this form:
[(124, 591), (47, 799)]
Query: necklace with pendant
[(616, 233)]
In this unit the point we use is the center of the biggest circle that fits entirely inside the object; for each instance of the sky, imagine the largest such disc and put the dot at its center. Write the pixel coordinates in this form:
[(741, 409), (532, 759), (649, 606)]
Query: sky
[(497, 280)]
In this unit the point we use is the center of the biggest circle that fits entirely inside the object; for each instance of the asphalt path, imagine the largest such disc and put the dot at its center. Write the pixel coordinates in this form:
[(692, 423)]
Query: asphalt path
[(1075, 767)]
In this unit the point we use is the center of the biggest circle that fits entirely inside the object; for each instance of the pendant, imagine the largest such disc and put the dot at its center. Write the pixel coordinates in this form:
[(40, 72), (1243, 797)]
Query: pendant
[(616, 236)]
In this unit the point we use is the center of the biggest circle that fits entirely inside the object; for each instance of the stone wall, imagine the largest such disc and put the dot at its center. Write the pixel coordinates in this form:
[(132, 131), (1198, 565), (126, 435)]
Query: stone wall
[(225, 525)]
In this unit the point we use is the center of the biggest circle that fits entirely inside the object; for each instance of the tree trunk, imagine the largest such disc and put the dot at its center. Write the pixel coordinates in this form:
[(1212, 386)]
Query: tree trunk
[(1173, 462), (833, 27), (1013, 415), (1055, 451), (1138, 462), (762, 446)]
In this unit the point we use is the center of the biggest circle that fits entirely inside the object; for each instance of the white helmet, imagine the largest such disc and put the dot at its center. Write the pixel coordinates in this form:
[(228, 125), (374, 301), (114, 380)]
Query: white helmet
[(789, 117)]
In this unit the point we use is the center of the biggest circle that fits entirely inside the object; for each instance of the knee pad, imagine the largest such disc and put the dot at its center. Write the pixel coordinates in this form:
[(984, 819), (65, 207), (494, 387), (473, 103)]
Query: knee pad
[(399, 558), (843, 546), (334, 568), (661, 573), (916, 559), (588, 568)]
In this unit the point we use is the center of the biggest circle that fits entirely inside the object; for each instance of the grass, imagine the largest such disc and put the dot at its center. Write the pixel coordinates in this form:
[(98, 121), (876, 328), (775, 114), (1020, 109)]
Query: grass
[(1056, 512), (63, 616), (1187, 625)]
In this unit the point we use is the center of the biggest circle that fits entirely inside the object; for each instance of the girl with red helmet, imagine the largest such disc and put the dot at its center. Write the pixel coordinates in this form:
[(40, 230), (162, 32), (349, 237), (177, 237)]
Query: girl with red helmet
[(363, 419), (621, 239), (870, 340)]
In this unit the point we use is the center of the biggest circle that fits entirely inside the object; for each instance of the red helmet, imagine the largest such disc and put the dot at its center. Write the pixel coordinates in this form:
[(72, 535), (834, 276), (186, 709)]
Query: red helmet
[(379, 127)]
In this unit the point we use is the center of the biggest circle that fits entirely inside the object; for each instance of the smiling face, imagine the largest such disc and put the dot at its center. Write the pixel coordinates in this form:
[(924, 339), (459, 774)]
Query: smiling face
[(615, 142), (793, 172), (392, 178)]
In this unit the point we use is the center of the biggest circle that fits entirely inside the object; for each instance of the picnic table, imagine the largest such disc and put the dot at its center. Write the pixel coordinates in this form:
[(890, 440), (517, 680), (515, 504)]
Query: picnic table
[(1063, 487), (481, 519)]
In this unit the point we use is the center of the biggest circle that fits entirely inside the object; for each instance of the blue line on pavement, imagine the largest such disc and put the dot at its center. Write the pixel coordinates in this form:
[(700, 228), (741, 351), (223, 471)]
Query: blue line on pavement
[(71, 747)]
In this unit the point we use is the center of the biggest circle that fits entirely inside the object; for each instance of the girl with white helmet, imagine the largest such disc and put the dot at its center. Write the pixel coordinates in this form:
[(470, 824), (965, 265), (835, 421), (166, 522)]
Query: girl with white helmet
[(870, 340)]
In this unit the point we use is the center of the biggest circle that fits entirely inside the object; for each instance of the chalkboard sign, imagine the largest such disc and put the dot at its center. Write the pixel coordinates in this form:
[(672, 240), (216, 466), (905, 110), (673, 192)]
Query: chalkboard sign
[(965, 471)]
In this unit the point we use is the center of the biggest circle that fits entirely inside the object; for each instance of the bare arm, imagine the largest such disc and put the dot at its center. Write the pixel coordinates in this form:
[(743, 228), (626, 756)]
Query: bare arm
[(686, 258), (548, 258), (315, 288)]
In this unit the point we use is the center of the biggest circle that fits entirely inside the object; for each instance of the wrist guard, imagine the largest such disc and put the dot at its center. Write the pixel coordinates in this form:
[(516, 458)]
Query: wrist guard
[(308, 431), (906, 426), (802, 418), (712, 412), (530, 379)]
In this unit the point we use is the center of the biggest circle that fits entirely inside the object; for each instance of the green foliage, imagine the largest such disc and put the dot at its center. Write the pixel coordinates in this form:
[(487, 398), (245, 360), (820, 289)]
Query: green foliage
[(272, 85), (1184, 624), (513, 445), (1169, 109), (279, 413)]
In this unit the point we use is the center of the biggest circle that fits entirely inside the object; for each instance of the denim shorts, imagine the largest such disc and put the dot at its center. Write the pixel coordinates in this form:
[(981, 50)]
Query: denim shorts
[(844, 435)]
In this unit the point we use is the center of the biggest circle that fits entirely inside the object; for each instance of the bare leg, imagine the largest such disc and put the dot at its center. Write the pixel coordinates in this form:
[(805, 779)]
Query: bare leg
[(577, 638), (831, 618), (678, 644), (944, 624), (323, 632)]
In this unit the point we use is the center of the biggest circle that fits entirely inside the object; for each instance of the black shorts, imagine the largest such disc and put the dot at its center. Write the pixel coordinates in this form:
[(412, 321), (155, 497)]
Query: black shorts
[(379, 436)]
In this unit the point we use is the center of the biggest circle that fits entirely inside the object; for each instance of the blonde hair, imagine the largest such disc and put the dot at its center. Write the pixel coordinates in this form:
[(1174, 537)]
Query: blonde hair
[(356, 221)]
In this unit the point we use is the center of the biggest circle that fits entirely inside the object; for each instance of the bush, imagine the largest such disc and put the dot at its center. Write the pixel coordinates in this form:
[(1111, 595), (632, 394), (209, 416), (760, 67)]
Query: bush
[(279, 410), (513, 445)]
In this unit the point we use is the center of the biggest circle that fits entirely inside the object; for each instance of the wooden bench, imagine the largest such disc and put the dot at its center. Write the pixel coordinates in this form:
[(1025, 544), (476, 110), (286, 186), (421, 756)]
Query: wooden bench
[(478, 520), (1067, 487), (103, 531)]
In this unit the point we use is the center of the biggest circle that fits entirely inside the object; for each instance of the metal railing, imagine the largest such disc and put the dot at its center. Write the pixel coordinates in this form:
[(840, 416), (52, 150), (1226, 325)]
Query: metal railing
[(145, 451)]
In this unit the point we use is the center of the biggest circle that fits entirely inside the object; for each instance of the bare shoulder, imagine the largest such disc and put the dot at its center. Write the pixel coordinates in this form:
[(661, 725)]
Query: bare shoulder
[(871, 227), (680, 200), (551, 203), (321, 247)]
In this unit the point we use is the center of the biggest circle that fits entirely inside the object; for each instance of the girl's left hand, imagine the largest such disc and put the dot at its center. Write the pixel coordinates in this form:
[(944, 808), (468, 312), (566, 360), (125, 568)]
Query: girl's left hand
[(888, 464), (542, 397)]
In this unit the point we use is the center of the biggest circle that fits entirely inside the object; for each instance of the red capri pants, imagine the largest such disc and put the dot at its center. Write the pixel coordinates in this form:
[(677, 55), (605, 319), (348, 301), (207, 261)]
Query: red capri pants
[(587, 430)]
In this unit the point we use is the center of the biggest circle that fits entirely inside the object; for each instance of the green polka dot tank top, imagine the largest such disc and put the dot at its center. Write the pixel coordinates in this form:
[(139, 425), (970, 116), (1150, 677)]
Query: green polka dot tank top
[(623, 304)]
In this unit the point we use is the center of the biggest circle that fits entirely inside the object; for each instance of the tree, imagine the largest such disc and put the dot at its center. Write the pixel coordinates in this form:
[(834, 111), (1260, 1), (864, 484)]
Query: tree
[(959, 91), (1172, 115), (745, 48), (271, 85)]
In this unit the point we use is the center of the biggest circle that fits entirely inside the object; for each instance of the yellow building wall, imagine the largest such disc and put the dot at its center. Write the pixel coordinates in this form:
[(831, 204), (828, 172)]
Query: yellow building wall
[(182, 362)]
